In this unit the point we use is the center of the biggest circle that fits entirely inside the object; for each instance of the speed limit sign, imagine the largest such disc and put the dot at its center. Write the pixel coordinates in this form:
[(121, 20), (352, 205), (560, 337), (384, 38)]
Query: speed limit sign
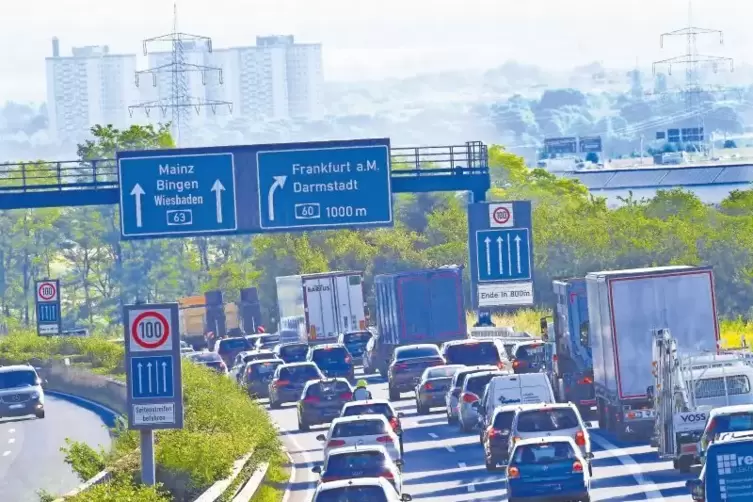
[(150, 330)]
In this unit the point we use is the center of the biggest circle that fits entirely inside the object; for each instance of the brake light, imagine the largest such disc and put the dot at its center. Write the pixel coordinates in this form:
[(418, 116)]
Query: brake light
[(384, 439), (346, 395), (501, 365), (387, 475), (469, 397), (513, 472), (347, 360), (311, 399), (282, 383), (401, 366), (577, 466), (223, 366), (333, 443), (586, 381), (493, 432), (580, 438), (394, 423), (515, 439), (428, 386), (516, 364)]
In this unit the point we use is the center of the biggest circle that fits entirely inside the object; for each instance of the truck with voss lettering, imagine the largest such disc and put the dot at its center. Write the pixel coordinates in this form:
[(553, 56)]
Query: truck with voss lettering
[(625, 310), (568, 359), (321, 306)]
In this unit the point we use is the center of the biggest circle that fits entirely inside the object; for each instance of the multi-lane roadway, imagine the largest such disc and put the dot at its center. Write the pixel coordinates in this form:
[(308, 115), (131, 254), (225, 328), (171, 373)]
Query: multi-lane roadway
[(30, 456), (444, 464)]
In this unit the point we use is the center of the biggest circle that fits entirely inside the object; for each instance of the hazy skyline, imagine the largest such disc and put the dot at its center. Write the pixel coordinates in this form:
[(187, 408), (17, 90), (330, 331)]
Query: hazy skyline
[(390, 38)]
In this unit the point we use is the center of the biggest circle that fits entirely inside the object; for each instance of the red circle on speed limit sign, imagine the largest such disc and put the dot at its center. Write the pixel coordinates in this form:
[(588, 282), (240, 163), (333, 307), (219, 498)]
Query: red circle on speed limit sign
[(47, 291), (501, 215), (150, 330)]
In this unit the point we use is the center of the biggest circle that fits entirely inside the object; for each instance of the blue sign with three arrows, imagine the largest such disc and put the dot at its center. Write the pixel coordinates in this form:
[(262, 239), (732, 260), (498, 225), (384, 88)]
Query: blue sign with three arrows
[(503, 255), (152, 376)]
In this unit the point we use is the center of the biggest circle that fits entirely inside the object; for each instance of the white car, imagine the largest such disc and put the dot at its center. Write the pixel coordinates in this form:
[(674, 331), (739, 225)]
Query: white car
[(363, 490), (354, 462), (556, 419), (361, 430)]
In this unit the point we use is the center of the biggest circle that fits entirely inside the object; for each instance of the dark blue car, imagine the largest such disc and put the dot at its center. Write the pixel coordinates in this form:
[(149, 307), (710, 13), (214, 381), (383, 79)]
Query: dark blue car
[(547, 469), (333, 360), (289, 380)]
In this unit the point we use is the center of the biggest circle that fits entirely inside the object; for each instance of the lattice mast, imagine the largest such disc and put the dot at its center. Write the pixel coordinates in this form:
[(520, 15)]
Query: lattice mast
[(178, 103), (693, 63)]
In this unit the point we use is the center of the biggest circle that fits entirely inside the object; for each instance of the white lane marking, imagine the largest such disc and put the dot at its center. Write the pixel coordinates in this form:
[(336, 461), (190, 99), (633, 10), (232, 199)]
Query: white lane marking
[(433, 436), (307, 463), (450, 449), (471, 488), (650, 489), (288, 493), (462, 465), (11, 431), (11, 440), (6, 453)]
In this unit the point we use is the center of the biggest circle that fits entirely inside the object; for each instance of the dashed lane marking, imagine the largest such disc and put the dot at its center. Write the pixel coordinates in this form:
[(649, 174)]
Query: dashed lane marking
[(433, 436), (450, 449), (471, 488), (6, 453), (462, 465), (11, 440), (11, 431)]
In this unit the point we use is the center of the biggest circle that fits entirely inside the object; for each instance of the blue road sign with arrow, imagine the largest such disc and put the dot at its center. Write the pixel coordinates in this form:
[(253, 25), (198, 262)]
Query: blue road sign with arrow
[(503, 255), (152, 376)]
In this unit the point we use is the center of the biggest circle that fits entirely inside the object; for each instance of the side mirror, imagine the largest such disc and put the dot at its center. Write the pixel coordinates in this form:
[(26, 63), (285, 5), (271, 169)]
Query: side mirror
[(399, 462), (317, 469), (589, 456), (321, 437), (400, 414), (406, 498), (476, 405)]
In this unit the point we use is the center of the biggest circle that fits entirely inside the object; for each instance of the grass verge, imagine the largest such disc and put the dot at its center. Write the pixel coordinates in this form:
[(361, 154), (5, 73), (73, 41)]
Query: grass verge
[(276, 481)]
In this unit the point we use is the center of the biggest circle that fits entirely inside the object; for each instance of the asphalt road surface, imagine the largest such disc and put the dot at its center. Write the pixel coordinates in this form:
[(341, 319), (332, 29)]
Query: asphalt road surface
[(442, 463), (30, 456)]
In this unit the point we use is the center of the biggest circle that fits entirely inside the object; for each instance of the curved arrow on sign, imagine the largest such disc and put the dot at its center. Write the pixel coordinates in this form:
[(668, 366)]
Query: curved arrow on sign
[(279, 183)]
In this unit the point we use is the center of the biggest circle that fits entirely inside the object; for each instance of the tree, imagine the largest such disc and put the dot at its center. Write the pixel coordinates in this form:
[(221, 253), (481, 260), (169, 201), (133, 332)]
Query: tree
[(592, 157)]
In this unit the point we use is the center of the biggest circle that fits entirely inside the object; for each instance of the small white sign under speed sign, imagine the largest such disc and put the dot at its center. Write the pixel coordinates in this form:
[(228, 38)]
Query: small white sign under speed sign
[(150, 330)]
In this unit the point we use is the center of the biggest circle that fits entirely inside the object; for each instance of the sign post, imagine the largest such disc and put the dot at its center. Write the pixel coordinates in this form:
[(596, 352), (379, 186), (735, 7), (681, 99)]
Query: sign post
[(153, 375), (500, 243), (47, 307)]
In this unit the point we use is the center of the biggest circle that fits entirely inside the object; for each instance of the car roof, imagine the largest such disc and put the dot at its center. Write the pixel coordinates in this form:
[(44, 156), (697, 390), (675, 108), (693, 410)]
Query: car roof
[(16, 367), (729, 410), (261, 351), (290, 344), (416, 346), (325, 380), (443, 366), (547, 406), (358, 418), (469, 341), (547, 439), (476, 369), (344, 450), (299, 363), (481, 373), (368, 401), (265, 361), (343, 483), (506, 408), (328, 346)]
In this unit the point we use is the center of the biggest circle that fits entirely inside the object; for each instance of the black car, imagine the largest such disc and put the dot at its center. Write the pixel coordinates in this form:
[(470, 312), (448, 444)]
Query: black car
[(496, 438), (475, 353), (355, 342), (433, 386), (210, 360), (528, 358), (292, 352), (322, 400), (267, 342), (258, 374), (407, 366), (243, 358), (289, 380), (333, 360), (228, 348)]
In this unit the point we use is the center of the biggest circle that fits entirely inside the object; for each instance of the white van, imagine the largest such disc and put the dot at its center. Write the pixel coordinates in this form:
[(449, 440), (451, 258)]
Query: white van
[(712, 387), (526, 388)]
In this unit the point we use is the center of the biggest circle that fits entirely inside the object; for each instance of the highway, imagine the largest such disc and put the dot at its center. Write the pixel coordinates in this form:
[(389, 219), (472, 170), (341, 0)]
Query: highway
[(30, 456), (442, 463)]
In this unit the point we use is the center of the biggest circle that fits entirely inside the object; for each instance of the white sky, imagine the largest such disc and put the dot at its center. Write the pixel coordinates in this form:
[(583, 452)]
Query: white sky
[(379, 38)]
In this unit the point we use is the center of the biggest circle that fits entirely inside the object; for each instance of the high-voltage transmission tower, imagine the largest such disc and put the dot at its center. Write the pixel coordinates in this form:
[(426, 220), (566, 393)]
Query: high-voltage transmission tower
[(178, 102), (694, 63)]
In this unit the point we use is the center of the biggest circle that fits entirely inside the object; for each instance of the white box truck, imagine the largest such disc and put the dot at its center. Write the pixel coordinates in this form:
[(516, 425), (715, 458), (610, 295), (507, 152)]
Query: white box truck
[(321, 306), (625, 307)]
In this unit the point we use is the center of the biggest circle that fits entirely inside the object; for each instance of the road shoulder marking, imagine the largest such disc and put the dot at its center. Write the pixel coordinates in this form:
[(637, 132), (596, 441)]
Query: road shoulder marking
[(651, 490)]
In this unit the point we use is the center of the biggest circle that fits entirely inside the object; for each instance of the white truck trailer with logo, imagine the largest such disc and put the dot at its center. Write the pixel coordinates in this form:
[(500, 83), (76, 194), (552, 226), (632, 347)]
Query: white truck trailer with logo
[(625, 309), (321, 306)]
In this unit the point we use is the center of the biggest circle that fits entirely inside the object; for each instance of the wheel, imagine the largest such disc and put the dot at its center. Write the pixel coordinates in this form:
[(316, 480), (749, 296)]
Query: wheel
[(303, 427), (451, 420), (40, 414), (394, 395), (463, 427), (275, 405), (421, 409), (491, 465), (402, 449), (590, 470), (684, 464)]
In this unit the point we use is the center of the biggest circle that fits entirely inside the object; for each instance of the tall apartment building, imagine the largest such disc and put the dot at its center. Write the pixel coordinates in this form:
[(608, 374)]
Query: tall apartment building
[(89, 87)]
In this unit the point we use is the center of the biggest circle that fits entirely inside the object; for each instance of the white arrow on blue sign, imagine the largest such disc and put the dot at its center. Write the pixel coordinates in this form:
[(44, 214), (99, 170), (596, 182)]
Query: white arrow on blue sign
[(503, 255), (152, 377)]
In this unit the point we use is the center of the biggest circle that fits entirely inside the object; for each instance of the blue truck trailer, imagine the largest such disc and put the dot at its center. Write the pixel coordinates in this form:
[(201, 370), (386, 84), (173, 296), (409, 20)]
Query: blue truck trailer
[(423, 306), (569, 363)]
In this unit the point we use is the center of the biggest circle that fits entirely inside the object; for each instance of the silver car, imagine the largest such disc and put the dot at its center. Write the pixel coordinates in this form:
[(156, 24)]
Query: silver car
[(452, 398), (473, 388), (21, 392)]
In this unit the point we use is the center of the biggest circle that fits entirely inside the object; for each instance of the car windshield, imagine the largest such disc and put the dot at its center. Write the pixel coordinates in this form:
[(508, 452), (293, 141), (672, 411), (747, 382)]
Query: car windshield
[(441, 372), (414, 352), (294, 350), (331, 356), (547, 420), (462, 375), (265, 368), (267, 341), (362, 464), (20, 378), (503, 420), (477, 383), (359, 428), (328, 389), (300, 373), (257, 356), (233, 344), (736, 422), (383, 409), (472, 353), (359, 338), (353, 494), (533, 352), (544, 453)]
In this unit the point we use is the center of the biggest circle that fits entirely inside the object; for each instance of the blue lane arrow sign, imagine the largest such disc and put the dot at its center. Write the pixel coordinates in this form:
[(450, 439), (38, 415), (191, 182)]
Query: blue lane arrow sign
[(152, 377), (503, 255)]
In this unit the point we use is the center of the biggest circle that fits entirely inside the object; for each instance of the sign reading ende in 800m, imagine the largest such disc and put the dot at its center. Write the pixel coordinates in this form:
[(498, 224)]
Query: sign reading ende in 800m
[(255, 188)]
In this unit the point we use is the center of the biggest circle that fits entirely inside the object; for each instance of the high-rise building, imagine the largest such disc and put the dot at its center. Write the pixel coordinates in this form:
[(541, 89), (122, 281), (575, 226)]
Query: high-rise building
[(89, 87)]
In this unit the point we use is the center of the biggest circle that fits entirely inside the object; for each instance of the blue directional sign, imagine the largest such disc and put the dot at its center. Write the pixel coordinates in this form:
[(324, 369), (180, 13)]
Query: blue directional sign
[(183, 194), (503, 255), (47, 306), (152, 376), (500, 245), (153, 366), (324, 187), (255, 188)]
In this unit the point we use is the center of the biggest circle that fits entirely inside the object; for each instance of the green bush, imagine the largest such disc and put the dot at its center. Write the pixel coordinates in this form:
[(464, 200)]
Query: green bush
[(120, 490)]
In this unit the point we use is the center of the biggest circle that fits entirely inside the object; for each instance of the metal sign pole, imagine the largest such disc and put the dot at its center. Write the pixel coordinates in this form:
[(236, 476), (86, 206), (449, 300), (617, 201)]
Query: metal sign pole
[(148, 468)]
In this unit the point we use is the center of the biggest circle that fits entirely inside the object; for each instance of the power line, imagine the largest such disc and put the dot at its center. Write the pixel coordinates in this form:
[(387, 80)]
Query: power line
[(178, 103)]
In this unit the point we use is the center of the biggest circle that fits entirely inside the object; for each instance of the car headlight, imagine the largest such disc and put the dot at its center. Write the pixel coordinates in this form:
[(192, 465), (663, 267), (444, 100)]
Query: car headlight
[(35, 395)]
